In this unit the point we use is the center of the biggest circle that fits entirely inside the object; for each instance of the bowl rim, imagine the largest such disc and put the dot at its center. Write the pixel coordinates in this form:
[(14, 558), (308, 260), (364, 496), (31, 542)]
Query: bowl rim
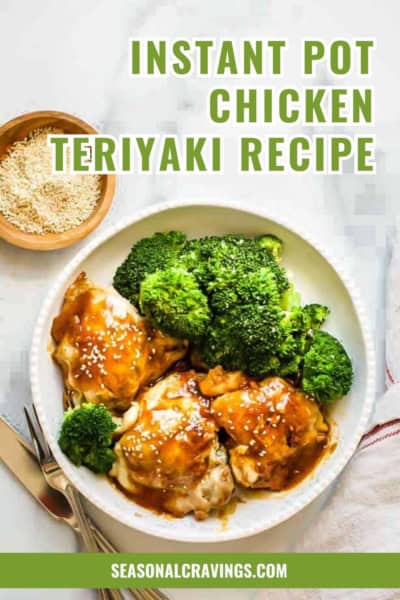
[(314, 490), (55, 241)]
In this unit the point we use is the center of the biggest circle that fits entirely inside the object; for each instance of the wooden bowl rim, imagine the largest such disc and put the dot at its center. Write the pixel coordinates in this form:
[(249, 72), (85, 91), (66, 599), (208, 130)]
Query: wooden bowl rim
[(55, 241)]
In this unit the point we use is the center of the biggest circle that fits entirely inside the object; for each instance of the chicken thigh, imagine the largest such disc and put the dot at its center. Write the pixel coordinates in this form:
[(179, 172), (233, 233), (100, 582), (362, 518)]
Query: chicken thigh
[(106, 350), (171, 459), (277, 433)]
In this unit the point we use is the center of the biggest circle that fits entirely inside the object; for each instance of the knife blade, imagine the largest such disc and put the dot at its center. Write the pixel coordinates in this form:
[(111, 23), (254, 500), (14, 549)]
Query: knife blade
[(19, 457)]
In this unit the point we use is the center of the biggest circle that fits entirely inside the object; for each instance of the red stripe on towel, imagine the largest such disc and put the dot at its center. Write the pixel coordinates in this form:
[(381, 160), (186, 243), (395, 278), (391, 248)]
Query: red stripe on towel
[(379, 428), (380, 439), (389, 375)]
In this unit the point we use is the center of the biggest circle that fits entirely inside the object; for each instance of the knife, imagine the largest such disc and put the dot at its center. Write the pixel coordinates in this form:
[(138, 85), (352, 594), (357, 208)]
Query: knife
[(17, 454)]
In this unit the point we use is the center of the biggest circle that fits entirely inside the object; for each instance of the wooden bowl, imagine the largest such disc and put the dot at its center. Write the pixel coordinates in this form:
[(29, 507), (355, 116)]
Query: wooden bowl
[(18, 129)]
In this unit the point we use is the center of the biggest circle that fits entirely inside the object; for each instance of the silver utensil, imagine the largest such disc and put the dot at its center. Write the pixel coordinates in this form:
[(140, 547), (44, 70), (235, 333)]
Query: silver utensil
[(20, 458)]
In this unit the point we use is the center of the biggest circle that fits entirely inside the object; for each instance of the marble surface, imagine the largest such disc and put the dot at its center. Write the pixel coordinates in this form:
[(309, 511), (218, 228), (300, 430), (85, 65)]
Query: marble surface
[(73, 56)]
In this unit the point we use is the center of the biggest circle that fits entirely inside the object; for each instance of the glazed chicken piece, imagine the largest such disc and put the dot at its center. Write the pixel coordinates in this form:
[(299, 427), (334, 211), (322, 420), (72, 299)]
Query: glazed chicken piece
[(277, 432), (218, 381), (106, 350), (171, 459)]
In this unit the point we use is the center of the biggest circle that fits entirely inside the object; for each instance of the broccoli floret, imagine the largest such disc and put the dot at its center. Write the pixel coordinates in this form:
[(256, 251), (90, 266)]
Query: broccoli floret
[(317, 314), (296, 328), (86, 437), (146, 256), (216, 259), (255, 287), (99, 460), (295, 325), (174, 302), (194, 256), (258, 326), (220, 346), (290, 367), (245, 338), (272, 243), (327, 370)]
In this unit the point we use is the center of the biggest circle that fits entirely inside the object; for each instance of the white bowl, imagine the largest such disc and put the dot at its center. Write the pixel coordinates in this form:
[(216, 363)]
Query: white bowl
[(318, 277)]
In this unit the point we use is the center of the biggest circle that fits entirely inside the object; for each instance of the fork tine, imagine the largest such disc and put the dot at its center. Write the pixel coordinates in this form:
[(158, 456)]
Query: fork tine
[(38, 430), (44, 443), (35, 440)]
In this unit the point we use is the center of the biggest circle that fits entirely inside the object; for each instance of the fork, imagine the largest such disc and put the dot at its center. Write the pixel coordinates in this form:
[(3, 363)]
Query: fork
[(56, 478)]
